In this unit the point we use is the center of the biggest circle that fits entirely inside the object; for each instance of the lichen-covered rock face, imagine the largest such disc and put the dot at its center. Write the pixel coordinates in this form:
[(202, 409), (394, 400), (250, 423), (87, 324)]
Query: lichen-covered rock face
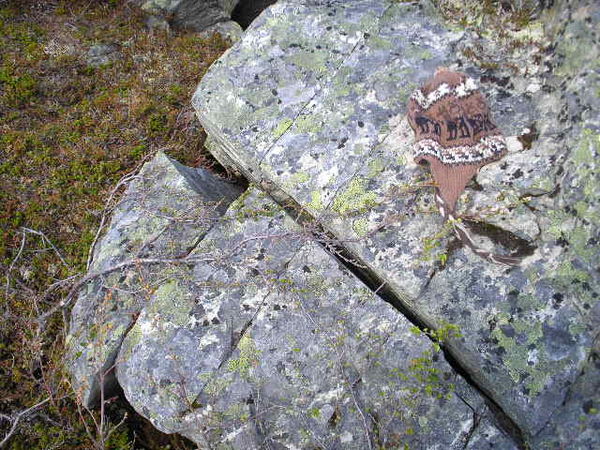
[(265, 326), (167, 208), (276, 345), (310, 105)]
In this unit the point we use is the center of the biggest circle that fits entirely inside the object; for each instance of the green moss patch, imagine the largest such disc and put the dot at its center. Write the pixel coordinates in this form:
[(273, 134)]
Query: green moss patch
[(68, 132)]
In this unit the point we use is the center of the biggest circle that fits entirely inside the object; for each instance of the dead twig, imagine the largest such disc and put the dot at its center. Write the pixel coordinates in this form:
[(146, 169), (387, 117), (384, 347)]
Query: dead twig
[(16, 418), (48, 241), (14, 261), (190, 259), (108, 208)]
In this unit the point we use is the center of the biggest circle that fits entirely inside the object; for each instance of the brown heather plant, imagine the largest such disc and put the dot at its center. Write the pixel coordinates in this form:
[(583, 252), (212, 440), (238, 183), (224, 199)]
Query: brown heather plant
[(68, 133)]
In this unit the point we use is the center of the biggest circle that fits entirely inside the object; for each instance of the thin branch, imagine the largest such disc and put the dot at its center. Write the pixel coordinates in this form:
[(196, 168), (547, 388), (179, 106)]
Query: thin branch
[(48, 241), (357, 406), (17, 418), (108, 208), (14, 261), (123, 265)]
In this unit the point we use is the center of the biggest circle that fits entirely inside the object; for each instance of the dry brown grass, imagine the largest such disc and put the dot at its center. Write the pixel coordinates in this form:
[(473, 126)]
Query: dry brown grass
[(68, 132)]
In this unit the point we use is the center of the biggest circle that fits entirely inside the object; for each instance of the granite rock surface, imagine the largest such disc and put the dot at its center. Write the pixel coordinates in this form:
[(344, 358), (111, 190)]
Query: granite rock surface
[(165, 210), (275, 344), (329, 306), (329, 135)]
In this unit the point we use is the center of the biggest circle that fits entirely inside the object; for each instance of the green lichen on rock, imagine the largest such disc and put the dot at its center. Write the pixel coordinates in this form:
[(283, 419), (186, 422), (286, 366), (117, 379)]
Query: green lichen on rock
[(307, 124), (282, 127), (169, 301), (316, 202), (355, 198), (248, 357), (524, 355), (300, 177), (311, 60), (376, 166), (361, 226), (216, 384)]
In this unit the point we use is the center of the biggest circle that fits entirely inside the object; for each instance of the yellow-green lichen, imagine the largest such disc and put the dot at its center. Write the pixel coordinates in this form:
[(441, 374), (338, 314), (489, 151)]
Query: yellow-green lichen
[(340, 83), (401, 160), (418, 53), (361, 226), (300, 177), (355, 198), (134, 337), (578, 53), (238, 411), (307, 124), (248, 357), (282, 127), (316, 202), (314, 61), (169, 301), (376, 166), (523, 361), (216, 384)]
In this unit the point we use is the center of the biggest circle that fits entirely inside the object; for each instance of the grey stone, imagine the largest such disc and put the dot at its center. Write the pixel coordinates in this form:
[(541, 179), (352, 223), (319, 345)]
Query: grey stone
[(101, 54), (312, 111), (578, 421), (277, 345), (196, 15), (229, 30), (165, 211)]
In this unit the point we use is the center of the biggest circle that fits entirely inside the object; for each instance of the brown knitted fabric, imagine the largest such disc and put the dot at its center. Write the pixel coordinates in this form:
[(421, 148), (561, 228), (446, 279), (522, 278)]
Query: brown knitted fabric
[(454, 133)]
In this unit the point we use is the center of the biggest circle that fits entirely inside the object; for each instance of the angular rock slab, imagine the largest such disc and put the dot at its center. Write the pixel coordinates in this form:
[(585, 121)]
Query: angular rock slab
[(188, 14), (304, 43), (276, 345), (165, 211), (341, 153)]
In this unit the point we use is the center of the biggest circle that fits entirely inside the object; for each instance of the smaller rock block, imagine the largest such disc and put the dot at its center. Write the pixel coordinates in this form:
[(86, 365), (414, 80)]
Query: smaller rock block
[(165, 211)]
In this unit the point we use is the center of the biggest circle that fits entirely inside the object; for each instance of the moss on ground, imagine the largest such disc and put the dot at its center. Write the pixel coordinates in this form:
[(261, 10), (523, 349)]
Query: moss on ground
[(68, 132)]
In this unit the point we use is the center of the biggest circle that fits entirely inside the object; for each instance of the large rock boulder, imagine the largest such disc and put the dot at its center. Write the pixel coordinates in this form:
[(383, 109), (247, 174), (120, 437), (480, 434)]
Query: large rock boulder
[(312, 110), (329, 307), (165, 211), (275, 344), (195, 15)]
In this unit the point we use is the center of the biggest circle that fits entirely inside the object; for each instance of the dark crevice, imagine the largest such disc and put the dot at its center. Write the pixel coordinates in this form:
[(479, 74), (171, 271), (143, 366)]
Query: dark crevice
[(140, 430), (471, 432), (248, 10), (258, 424), (380, 286), (503, 420)]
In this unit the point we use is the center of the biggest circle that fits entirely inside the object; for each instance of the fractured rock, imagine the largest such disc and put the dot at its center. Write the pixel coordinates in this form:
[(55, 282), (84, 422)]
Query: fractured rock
[(313, 109), (166, 209)]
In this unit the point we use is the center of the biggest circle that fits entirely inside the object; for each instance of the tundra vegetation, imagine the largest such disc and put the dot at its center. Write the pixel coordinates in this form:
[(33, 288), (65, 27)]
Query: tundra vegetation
[(71, 126)]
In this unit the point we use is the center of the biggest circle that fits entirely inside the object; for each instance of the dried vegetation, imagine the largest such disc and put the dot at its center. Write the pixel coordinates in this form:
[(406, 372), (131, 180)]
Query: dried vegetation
[(70, 127)]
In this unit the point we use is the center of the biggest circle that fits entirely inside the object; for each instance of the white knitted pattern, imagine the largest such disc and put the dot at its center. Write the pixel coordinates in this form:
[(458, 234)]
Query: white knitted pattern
[(460, 91), (487, 149)]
